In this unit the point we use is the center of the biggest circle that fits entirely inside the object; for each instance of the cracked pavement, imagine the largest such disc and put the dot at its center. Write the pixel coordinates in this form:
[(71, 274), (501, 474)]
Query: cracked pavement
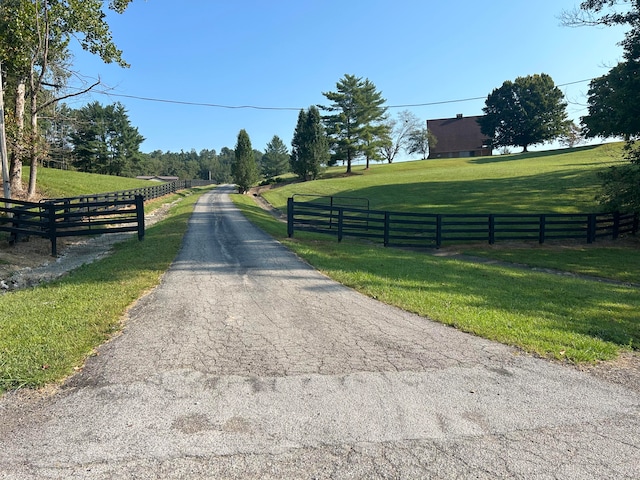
[(246, 363)]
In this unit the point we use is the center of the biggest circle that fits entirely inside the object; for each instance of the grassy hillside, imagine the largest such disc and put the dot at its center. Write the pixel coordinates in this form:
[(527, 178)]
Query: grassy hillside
[(53, 183), (561, 181)]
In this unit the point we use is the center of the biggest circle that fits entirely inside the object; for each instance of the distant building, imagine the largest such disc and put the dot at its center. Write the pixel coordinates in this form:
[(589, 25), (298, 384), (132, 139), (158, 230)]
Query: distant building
[(458, 137)]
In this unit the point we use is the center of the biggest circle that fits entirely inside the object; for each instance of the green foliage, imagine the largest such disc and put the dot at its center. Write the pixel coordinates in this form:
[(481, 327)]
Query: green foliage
[(276, 158), (34, 48), (420, 140), (614, 103), (525, 112), (358, 126), (310, 147), (621, 184), (244, 168), (104, 140)]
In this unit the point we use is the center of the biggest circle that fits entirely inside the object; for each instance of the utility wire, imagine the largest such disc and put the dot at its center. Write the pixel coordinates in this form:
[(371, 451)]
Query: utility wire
[(256, 107)]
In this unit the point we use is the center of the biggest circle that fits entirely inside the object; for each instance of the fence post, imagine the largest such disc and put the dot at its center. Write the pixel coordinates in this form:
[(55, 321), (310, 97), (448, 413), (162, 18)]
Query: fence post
[(51, 213), (340, 222), (591, 228), (438, 230), (616, 225), (387, 222), (492, 229), (290, 217), (543, 226), (140, 215)]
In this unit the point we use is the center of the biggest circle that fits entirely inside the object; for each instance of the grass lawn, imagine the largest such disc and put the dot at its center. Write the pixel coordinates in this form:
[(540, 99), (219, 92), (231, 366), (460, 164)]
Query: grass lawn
[(48, 330), (560, 181), (550, 315), (54, 183)]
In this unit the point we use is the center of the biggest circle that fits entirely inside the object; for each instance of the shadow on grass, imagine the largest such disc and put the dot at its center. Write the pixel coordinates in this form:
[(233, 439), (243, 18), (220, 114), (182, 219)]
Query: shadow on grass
[(567, 318), (531, 155), (562, 191)]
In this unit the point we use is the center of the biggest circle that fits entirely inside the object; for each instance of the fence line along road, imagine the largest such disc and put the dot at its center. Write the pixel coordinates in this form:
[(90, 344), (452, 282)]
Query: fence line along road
[(405, 229), (95, 214)]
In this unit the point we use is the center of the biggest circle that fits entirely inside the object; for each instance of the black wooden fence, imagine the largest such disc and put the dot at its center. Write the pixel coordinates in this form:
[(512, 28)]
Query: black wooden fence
[(402, 229), (112, 212)]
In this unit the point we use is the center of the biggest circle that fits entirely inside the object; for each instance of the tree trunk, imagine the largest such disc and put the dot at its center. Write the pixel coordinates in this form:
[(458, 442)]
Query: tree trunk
[(524, 149), (33, 146), (17, 152)]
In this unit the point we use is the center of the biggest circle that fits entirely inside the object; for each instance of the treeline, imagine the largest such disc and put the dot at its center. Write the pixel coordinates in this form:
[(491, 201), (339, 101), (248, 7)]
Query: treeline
[(100, 139)]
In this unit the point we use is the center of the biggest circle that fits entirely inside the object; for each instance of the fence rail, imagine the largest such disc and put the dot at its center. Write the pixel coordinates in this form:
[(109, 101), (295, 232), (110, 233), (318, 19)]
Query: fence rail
[(402, 229), (112, 212)]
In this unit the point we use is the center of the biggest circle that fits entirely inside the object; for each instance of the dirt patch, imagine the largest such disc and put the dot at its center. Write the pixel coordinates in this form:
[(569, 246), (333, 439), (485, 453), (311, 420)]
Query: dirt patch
[(29, 263)]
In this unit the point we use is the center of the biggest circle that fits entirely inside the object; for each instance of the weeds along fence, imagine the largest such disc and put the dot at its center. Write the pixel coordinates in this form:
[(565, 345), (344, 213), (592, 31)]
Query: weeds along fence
[(402, 229), (112, 212)]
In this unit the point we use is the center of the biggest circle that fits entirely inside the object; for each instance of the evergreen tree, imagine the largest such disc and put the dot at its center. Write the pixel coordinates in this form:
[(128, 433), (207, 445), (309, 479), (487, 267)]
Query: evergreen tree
[(357, 127), (105, 141), (276, 158), (244, 168), (310, 146)]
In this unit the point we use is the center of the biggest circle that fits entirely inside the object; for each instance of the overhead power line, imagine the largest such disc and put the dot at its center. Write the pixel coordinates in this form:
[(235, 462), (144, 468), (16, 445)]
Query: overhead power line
[(257, 107)]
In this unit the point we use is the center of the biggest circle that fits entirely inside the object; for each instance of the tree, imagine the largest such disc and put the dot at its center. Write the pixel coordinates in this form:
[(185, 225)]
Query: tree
[(525, 112), (419, 141), (310, 146), (573, 136), (621, 184), (357, 126), (276, 158), (34, 45), (400, 130), (244, 168), (614, 103), (614, 99), (104, 141)]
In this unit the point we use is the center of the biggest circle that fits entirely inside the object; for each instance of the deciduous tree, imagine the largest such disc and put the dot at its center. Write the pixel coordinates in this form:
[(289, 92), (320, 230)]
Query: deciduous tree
[(400, 130), (34, 46), (525, 112), (419, 141)]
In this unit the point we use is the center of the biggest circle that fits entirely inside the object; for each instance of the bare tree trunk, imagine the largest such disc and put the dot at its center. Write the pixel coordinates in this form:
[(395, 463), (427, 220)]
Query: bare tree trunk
[(33, 146), (17, 152)]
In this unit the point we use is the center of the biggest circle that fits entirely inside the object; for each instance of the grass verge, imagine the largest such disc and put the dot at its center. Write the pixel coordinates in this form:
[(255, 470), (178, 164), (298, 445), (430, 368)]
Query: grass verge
[(549, 315), (47, 331)]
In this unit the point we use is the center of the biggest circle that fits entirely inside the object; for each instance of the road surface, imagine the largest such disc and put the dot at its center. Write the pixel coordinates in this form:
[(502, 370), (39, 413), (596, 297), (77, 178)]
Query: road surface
[(246, 363)]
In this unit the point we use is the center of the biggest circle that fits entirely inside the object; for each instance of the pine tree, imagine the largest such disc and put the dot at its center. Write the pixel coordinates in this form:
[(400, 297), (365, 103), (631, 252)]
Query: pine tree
[(245, 168), (357, 127), (310, 152), (275, 160)]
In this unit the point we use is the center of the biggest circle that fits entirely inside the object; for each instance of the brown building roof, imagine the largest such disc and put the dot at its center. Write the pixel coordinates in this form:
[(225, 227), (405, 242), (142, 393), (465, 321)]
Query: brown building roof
[(457, 137)]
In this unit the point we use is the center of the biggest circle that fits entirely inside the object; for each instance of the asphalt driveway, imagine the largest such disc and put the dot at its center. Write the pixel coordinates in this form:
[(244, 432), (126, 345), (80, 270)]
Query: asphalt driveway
[(247, 363)]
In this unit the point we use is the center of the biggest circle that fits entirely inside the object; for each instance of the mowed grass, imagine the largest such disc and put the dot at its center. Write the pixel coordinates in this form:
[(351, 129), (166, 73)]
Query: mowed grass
[(560, 181), (54, 183), (47, 331), (556, 316)]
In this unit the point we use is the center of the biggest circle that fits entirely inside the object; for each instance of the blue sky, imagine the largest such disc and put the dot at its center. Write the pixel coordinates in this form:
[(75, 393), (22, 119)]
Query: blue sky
[(285, 53)]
